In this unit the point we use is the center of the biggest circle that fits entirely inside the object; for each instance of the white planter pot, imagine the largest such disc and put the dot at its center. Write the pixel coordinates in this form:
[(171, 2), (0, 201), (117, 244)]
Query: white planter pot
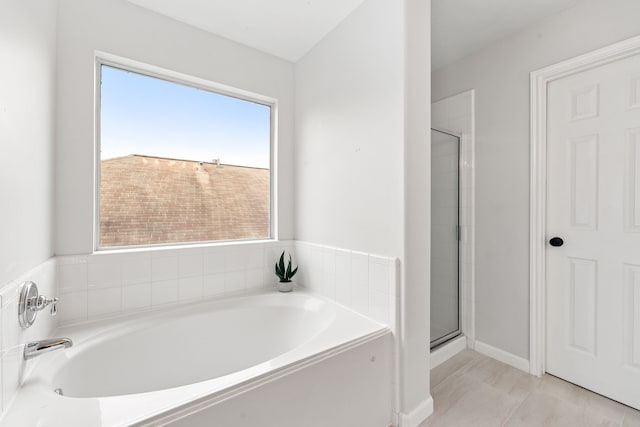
[(285, 286)]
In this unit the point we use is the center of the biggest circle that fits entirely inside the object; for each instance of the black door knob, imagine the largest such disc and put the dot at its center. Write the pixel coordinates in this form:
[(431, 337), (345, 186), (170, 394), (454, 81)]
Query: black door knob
[(556, 241)]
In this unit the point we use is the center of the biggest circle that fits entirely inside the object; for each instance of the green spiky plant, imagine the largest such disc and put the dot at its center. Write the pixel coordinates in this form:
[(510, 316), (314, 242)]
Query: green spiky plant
[(285, 274)]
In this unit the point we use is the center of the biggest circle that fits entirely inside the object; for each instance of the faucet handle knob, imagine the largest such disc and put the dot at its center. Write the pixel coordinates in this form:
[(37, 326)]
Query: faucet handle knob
[(42, 302)]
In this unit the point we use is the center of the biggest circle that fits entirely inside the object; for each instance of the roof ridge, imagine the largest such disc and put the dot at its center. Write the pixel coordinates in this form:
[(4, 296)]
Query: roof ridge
[(148, 156)]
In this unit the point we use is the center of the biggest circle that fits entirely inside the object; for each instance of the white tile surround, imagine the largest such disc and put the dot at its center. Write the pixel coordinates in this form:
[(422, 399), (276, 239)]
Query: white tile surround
[(13, 336), (456, 114), (363, 282), (109, 285)]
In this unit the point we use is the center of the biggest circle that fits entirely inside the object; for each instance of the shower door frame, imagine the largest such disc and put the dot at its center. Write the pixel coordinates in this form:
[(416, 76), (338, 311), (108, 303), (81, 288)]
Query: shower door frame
[(458, 332)]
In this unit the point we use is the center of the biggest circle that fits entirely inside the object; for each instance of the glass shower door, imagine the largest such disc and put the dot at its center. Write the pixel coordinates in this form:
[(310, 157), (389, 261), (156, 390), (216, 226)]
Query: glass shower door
[(445, 289)]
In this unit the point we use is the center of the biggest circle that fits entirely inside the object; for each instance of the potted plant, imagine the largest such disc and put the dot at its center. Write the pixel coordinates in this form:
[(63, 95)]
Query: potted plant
[(285, 274)]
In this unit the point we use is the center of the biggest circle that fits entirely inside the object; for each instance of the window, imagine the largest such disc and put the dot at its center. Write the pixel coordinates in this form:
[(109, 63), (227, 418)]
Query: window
[(179, 162)]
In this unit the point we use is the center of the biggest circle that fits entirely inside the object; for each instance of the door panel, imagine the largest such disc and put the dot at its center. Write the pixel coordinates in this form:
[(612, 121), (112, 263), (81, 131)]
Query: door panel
[(632, 200), (583, 305), (584, 182), (632, 315), (593, 203)]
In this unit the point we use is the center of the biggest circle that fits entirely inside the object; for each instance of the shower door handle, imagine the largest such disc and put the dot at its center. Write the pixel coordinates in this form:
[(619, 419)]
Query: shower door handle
[(556, 241)]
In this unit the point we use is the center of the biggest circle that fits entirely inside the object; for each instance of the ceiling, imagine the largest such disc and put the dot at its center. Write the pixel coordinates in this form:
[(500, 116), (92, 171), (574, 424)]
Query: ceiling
[(461, 27), (284, 28), (290, 28)]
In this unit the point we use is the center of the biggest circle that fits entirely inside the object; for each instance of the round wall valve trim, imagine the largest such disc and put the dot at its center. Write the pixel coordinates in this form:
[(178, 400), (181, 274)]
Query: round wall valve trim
[(31, 302)]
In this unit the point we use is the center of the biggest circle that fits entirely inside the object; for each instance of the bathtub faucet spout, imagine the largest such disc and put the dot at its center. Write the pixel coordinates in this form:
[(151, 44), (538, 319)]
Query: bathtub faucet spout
[(36, 348)]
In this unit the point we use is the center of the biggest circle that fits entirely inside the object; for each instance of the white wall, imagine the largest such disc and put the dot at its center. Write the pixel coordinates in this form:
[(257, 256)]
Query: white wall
[(27, 130), (416, 295), (349, 134), (362, 160), (120, 28), (500, 76)]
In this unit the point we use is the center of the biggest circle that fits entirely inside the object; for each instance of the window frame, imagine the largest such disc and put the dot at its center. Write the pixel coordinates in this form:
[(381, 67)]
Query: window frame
[(152, 71)]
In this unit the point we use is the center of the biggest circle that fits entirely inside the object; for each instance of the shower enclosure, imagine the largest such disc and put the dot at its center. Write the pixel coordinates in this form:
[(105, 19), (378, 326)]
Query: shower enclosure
[(445, 236)]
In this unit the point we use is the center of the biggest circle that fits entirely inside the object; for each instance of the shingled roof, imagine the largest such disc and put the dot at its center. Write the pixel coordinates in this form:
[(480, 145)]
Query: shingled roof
[(150, 200)]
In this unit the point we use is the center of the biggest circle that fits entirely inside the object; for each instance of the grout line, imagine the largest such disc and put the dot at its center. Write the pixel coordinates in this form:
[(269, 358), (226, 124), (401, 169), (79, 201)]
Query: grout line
[(515, 409)]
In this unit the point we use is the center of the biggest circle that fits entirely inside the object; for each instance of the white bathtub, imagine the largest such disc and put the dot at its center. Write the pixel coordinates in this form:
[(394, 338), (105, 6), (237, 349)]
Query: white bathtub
[(156, 368)]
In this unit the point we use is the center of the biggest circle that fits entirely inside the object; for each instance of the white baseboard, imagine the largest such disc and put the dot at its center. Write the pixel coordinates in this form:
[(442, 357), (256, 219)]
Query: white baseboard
[(418, 415), (447, 351), (471, 343), (502, 356)]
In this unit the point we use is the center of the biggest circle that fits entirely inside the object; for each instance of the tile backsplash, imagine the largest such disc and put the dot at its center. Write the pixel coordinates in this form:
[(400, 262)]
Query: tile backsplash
[(363, 282), (105, 285)]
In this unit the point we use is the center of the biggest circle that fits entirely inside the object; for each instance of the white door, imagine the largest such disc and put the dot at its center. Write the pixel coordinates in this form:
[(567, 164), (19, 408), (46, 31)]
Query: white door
[(593, 204)]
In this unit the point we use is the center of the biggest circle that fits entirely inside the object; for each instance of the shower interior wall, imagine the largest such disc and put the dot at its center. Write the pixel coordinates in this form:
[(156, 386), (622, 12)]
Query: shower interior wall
[(456, 114)]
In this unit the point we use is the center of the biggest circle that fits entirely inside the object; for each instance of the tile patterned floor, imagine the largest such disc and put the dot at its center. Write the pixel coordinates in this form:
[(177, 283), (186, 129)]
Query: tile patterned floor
[(473, 390)]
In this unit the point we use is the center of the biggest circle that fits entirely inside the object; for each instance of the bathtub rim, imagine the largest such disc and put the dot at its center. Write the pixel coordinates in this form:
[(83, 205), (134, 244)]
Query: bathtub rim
[(100, 333), (36, 388)]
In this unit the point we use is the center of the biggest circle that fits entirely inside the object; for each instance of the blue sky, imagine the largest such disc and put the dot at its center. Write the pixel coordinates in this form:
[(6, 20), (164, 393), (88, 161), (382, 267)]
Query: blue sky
[(144, 115)]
